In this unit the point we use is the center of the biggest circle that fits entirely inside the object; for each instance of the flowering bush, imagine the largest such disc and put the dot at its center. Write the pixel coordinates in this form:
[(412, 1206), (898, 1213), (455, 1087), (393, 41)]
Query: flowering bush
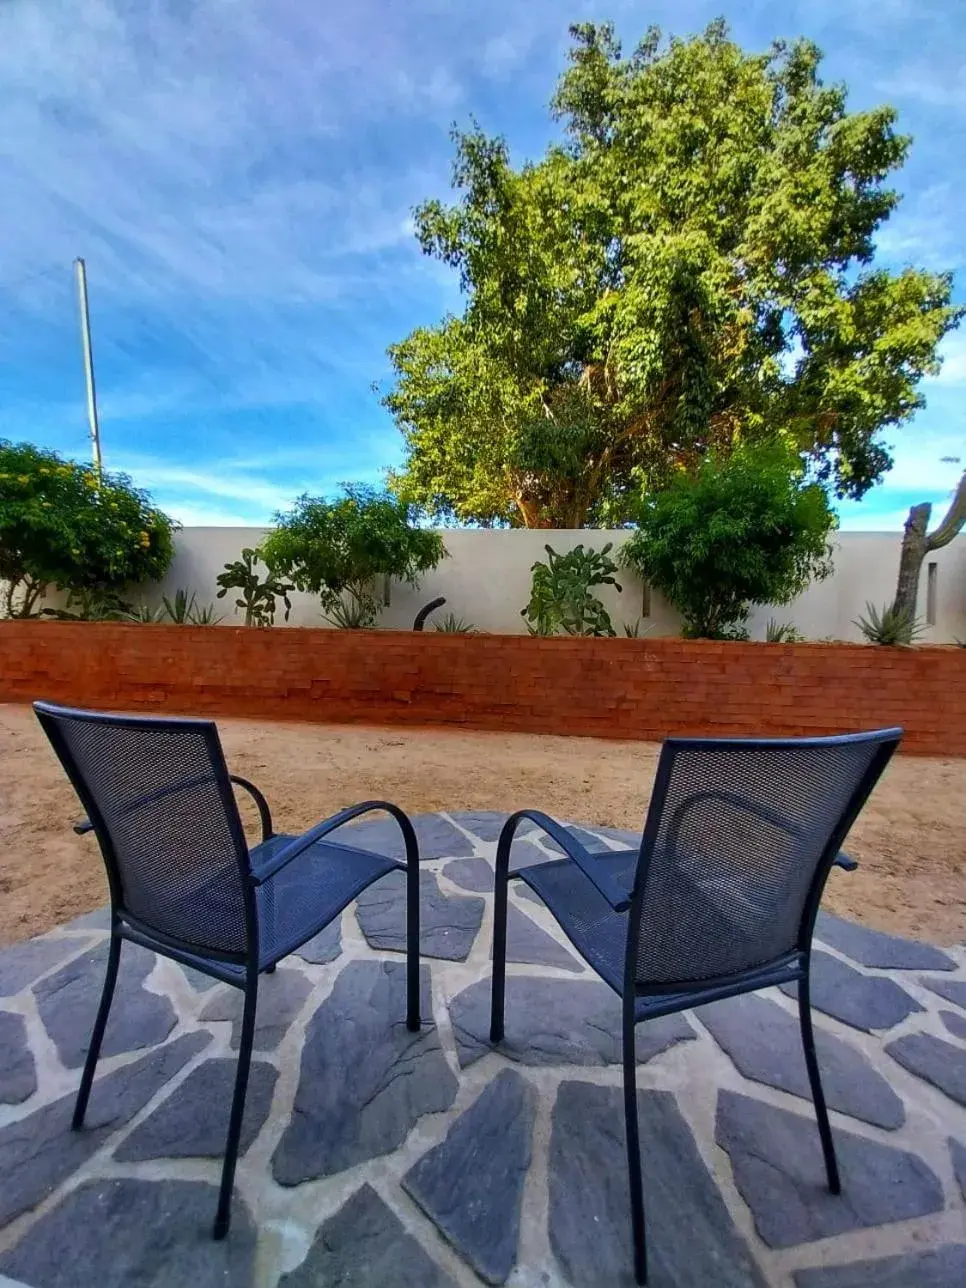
[(64, 527)]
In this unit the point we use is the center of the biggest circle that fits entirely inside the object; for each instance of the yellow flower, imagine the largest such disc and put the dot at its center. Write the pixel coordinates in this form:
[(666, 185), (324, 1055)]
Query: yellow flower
[(23, 478), (47, 505)]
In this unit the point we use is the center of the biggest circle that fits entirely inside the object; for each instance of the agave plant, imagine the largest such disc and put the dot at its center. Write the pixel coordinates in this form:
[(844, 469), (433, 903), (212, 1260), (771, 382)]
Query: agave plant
[(637, 630), (782, 633), (352, 613), (889, 625), (453, 625), (184, 610), (143, 613), (180, 608), (207, 616)]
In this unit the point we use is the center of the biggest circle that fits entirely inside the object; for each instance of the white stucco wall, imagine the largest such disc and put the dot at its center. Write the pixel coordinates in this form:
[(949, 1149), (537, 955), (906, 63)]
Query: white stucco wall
[(486, 579)]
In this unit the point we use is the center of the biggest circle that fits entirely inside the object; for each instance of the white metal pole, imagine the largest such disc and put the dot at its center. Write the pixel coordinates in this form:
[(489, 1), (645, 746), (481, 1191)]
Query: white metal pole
[(85, 321)]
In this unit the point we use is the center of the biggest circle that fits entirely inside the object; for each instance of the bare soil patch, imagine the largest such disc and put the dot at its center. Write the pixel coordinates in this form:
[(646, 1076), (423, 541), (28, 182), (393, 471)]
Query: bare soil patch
[(911, 839)]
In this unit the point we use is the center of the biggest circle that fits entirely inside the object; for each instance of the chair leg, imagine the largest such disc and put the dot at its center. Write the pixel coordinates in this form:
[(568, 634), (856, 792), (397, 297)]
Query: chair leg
[(412, 943), (633, 1134), (498, 981), (97, 1036), (223, 1217), (814, 1078)]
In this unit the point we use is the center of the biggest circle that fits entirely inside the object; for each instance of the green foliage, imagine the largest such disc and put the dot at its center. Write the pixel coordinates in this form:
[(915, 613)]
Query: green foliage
[(450, 624), (890, 625), (637, 630), (207, 616), (184, 610), (179, 609), (352, 612), (89, 606), (782, 633), (61, 526), (742, 529), (692, 269), (560, 598), (350, 544), (143, 615), (258, 595)]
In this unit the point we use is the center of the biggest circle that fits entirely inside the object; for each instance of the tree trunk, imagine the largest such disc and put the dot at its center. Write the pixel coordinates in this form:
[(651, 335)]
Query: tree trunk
[(918, 542), (533, 514), (915, 545)]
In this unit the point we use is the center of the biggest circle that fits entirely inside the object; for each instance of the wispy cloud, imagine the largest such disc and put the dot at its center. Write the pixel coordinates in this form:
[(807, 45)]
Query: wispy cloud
[(937, 87), (240, 174), (953, 351)]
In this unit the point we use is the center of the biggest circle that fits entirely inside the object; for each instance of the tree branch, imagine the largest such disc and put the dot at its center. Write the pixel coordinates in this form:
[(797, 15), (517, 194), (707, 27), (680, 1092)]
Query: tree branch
[(953, 522)]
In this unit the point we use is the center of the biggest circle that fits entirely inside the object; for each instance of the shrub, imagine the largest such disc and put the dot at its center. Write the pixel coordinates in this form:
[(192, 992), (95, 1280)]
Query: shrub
[(184, 610), (89, 606), (741, 530), (637, 630), (889, 625), (63, 526), (352, 612), (450, 624), (258, 595), (782, 633), (328, 548), (560, 593), (144, 615)]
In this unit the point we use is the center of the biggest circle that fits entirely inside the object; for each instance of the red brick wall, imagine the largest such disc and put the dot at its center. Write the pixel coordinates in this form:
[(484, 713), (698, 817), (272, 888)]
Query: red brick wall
[(621, 688)]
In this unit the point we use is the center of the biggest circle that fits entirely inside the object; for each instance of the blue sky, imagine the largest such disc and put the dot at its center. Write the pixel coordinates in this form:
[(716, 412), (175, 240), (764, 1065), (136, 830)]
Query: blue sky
[(239, 176)]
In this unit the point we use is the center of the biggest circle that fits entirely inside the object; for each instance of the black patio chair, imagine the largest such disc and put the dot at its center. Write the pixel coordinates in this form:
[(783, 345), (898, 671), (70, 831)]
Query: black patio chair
[(184, 883), (720, 898)]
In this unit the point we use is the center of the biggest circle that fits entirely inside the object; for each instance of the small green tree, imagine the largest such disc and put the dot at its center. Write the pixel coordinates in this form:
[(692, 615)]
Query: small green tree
[(744, 529), (346, 546), (560, 593), (258, 594), (63, 526)]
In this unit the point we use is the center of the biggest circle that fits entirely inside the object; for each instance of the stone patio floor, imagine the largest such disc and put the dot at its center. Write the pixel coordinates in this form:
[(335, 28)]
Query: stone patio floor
[(376, 1158)]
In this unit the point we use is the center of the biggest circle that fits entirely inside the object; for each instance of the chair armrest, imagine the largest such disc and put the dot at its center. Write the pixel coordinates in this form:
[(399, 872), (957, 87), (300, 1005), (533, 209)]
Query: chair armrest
[(83, 826), (301, 843), (844, 861), (618, 898), (264, 813)]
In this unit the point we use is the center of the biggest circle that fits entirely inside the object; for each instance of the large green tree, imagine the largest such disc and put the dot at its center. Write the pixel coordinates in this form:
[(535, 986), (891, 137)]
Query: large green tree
[(691, 268)]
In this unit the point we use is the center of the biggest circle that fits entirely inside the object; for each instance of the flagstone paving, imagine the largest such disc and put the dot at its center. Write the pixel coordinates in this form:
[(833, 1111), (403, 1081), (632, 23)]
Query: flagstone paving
[(373, 1157)]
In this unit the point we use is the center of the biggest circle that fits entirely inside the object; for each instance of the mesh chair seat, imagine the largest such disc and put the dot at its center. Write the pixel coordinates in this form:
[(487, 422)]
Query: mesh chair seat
[(309, 892), (600, 935), (597, 932)]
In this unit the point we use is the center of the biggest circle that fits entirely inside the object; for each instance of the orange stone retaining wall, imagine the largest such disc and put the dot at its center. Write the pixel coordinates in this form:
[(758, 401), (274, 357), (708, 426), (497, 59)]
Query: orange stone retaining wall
[(608, 688)]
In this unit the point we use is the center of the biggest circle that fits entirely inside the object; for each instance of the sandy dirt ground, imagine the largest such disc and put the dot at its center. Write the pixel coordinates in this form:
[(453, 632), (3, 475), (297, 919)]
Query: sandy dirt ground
[(911, 839)]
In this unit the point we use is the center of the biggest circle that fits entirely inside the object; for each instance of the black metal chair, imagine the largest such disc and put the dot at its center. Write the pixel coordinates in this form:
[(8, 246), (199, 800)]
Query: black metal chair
[(720, 899), (184, 883)]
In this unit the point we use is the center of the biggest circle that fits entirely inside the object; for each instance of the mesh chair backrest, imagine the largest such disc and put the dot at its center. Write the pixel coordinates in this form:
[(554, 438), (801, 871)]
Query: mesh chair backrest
[(158, 794), (739, 835)]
